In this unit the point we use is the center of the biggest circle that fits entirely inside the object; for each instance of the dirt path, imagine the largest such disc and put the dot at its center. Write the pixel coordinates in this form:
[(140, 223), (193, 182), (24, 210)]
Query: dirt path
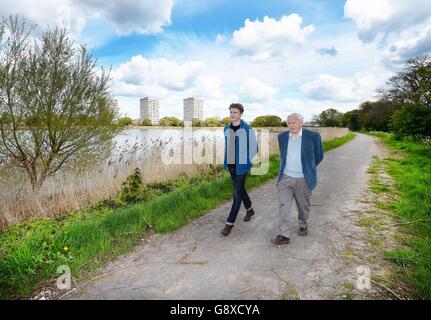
[(196, 262)]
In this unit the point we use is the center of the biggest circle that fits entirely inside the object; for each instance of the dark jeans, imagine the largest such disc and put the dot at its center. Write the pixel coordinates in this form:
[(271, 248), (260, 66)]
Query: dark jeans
[(239, 194)]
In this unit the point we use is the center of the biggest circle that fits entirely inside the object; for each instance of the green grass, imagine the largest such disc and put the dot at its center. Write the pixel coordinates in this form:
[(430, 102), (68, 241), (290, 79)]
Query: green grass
[(412, 177), (30, 252), (336, 142)]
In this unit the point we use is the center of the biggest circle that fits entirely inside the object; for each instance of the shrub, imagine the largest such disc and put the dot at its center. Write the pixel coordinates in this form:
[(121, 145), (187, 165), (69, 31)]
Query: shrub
[(412, 120)]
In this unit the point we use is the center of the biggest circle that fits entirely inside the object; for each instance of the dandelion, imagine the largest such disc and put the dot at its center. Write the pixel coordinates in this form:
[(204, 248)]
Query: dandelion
[(66, 249)]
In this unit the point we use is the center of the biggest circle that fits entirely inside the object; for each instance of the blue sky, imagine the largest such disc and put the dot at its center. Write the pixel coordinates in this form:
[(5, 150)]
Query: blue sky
[(275, 57)]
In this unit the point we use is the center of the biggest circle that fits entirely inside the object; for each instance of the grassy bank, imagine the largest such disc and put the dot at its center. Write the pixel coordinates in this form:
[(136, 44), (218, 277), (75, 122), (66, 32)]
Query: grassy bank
[(31, 252), (411, 172)]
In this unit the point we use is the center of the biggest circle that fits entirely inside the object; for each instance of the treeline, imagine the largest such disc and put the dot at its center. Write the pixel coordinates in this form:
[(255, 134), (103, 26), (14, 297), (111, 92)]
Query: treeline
[(261, 121), (403, 105), (176, 122)]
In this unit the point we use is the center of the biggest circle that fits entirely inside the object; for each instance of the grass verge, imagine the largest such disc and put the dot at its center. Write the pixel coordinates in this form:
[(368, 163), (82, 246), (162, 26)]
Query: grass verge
[(31, 252), (411, 171)]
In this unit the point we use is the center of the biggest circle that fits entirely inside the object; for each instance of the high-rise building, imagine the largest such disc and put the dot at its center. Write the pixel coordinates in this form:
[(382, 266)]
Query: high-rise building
[(193, 109), (149, 108)]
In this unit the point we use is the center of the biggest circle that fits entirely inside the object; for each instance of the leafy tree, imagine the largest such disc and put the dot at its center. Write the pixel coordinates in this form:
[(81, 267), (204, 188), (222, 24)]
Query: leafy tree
[(351, 119), (170, 121), (267, 121), (212, 122), (146, 122), (197, 123), (411, 85), (56, 110), (412, 120), (376, 115), (225, 121), (125, 121), (329, 118)]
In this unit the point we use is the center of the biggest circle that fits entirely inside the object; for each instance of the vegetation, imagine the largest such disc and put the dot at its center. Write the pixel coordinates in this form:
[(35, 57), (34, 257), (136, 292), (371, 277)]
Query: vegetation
[(411, 171), (125, 121), (329, 118), (170, 121), (412, 120), (267, 121), (146, 122), (55, 111)]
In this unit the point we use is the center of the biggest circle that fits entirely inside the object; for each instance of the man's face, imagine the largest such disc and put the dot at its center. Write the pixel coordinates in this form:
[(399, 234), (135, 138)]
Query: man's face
[(235, 114), (294, 125)]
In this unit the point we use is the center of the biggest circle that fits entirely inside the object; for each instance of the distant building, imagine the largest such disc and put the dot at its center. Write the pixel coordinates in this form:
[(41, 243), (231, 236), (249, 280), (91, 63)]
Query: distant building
[(149, 108), (193, 109)]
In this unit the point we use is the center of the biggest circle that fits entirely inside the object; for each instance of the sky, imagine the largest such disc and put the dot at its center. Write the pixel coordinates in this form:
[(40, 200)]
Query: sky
[(273, 56)]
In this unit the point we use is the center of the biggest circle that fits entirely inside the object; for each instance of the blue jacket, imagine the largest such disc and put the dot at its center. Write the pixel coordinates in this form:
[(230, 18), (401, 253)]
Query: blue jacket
[(311, 154), (245, 147)]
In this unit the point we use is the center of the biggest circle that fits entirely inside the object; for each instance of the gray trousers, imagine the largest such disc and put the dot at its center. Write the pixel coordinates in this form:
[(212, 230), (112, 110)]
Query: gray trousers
[(290, 188)]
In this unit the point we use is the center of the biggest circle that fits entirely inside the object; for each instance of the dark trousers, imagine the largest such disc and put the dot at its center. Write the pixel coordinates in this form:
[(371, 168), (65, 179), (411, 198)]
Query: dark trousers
[(239, 195)]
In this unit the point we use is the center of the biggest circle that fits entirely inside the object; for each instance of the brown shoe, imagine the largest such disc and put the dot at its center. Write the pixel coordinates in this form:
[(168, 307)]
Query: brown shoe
[(249, 214), (226, 230), (280, 240), (303, 231)]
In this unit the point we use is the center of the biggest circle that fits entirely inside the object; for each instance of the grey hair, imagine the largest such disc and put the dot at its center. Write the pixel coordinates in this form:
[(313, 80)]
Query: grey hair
[(296, 115)]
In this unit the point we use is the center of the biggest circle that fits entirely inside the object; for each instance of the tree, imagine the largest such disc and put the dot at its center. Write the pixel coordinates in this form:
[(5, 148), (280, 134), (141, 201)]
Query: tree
[(197, 123), (212, 122), (125, 121), (225, 121), (376, 115), (412, 120), (170, 121), (329, 118), (351, 120), (267, 121), (146, 122), (411, 85), (56, 111)]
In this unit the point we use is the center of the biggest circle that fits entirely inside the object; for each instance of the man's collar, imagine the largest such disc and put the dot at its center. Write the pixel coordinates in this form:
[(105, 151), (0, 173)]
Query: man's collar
[(300, 133)]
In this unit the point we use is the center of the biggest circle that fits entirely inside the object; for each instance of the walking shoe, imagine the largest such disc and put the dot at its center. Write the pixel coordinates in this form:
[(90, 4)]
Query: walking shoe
[(226, 230), (280, 240), (249, 214), (303, 231)]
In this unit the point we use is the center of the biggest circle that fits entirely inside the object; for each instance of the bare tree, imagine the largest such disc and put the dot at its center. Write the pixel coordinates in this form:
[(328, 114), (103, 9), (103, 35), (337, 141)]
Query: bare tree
[(55, 108)]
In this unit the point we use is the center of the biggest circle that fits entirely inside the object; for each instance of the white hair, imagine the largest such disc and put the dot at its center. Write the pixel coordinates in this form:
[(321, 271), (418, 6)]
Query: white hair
[(298, 116)]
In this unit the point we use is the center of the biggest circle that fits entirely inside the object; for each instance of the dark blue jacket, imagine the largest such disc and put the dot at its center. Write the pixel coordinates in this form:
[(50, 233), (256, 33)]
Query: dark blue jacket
[(311, 154), (245, 147)]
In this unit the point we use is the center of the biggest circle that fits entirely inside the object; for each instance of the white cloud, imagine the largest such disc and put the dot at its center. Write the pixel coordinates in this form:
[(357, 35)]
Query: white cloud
[(207, 86), (262, 40), (157, 72), (361, 86), (254, 90), (126, 16), (402, 28)]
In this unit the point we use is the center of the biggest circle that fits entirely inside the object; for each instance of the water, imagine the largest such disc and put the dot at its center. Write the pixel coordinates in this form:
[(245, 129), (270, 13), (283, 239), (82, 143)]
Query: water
[(172, 134)]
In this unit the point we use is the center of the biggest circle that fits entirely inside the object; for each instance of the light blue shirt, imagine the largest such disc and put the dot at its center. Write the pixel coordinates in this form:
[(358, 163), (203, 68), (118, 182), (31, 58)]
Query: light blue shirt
[(293, 166)]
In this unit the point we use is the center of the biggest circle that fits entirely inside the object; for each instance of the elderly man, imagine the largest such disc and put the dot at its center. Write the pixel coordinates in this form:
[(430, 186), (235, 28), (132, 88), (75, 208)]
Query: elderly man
[(301, 150)]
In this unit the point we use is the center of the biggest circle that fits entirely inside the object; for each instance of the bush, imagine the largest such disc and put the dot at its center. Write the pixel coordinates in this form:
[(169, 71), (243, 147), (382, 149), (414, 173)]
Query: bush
[(146, 122), (267, 121), (412, 120), (170, 121), (132, 190), (125, 121)]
